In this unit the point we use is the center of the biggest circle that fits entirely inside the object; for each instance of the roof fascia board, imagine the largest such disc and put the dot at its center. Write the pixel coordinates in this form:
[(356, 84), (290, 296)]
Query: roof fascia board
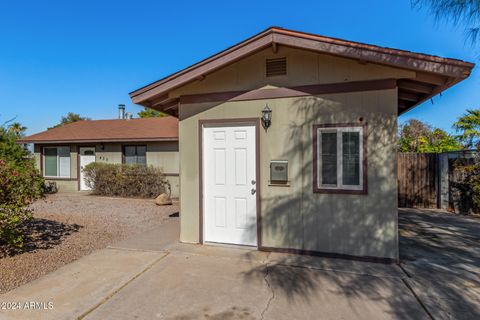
[(211, 65), (96, 141), (371, 55)]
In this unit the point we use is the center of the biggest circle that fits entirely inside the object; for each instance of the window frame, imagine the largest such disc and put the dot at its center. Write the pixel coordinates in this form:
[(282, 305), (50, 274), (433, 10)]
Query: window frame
[(58, 176), (362, 188), (124, 157)]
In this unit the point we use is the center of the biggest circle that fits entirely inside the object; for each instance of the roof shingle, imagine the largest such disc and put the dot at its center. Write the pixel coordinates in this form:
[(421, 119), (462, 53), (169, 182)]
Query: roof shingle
[(141, 129)]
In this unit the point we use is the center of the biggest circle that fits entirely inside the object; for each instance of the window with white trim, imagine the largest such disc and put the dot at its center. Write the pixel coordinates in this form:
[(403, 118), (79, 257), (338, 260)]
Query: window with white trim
[(56, 162), (339, 158)]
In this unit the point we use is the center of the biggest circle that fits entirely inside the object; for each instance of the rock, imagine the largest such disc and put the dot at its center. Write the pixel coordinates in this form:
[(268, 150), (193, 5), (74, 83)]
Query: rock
[(163, 200)]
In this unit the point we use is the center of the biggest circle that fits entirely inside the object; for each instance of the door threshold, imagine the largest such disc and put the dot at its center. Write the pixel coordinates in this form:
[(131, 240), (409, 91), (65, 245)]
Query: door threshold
[(231, 245)]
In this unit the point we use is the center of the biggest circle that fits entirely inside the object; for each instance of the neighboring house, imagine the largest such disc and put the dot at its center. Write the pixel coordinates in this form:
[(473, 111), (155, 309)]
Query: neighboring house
[(322, 179), (62, 152)]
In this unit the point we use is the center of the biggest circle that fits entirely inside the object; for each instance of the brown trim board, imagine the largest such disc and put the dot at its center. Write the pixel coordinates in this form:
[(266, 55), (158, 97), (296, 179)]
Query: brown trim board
[(171, 174), (229, 122), (315, 187), (297, 91)]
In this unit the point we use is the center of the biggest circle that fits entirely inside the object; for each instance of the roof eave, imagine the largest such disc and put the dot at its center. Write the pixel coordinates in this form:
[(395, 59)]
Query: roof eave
[(347, 49), (113, 140)]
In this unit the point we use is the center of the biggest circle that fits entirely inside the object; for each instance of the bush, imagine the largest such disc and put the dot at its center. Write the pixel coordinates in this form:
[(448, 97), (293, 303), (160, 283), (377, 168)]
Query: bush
[(473, 179), (125, 180), (20, 185), (465, 185)]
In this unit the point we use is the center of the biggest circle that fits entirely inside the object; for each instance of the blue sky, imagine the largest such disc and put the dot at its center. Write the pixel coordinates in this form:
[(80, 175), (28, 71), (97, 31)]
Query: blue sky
[(86, 56)]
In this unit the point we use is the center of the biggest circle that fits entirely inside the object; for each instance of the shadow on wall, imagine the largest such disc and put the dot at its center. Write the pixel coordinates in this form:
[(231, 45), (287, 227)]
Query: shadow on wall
[(295, 217), (41, 234)]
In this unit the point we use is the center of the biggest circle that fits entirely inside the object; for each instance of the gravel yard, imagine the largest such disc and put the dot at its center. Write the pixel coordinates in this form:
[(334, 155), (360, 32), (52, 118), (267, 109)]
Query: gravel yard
[(68, 226)]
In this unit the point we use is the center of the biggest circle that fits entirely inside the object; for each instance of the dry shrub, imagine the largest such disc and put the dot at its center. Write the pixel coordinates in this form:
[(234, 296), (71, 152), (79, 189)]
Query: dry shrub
[(120, 180)]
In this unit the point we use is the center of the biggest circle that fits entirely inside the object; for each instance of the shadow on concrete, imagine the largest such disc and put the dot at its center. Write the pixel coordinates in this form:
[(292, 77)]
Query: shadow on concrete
[(40, 234), (232, 313), (441, 252)]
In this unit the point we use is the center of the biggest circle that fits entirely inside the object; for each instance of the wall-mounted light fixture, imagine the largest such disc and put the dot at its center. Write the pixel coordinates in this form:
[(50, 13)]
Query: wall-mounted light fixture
[(266, 117)]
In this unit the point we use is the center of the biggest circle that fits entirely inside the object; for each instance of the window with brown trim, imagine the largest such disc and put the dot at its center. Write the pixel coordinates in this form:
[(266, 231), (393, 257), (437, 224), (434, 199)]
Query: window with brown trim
[(135, 155), (56, 162), (340, 158)]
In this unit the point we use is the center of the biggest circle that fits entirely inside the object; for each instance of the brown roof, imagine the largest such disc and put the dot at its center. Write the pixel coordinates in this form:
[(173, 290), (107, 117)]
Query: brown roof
[(141, 129), (434, 74)]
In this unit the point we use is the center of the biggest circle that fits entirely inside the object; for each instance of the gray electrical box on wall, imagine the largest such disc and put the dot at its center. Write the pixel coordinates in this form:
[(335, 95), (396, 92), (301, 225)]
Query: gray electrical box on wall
[(278, 171)]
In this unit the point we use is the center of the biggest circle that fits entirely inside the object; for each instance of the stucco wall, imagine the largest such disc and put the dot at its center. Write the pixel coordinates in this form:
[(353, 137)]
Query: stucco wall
[(165, 155), (159, 154), (108, 153), (295, 217)]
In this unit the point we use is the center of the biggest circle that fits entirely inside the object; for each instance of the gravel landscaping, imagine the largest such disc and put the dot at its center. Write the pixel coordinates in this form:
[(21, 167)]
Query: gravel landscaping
[(68, 226)]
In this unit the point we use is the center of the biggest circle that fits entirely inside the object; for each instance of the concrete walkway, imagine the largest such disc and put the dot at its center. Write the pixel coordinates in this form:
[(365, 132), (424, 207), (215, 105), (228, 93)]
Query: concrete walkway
[(154, 277)]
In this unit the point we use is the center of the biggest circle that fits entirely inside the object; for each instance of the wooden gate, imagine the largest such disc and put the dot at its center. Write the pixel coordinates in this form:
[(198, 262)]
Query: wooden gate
[(417, 183)]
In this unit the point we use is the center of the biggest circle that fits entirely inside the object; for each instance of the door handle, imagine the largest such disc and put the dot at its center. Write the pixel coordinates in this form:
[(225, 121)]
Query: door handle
[(253, 190), (253, 182)]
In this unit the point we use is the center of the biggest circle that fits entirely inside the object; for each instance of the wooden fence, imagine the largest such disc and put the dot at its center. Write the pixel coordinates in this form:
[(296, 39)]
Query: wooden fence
[(417, 180)]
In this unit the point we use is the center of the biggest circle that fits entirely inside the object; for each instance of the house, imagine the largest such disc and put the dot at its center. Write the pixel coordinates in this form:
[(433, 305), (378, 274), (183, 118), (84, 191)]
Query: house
[(62, 152), (288, 141)]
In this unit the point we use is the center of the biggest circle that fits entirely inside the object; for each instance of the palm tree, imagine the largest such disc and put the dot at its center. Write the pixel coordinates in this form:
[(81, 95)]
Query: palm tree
[(16, 129), (469, 127)]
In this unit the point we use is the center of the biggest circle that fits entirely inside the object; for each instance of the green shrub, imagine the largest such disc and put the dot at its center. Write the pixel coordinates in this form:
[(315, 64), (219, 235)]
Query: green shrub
[(20, 185), (465, 185), (473, 179), (125, 180)]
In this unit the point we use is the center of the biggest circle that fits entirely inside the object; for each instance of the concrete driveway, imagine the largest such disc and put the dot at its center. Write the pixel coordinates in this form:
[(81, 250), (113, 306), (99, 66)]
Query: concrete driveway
[(441, 254), (154, 277)]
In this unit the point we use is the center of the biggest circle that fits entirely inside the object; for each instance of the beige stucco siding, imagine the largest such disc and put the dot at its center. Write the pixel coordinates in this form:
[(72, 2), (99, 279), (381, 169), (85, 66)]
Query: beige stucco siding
[(108, 153), (295, 217), (163, 155)]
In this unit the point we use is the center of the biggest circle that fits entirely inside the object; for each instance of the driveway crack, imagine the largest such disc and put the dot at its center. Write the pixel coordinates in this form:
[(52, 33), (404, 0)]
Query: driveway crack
[(111, 295), (267, 273)]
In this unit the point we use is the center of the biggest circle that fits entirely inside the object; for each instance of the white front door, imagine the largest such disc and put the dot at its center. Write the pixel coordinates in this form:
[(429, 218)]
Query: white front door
[(229, 186), (87, 156)]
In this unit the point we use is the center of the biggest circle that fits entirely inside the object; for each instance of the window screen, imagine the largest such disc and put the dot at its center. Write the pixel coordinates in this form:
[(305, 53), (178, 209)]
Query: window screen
[(136, 155), (329, 158), (50, 155), (351, 158), (339, 157), (57, 162)]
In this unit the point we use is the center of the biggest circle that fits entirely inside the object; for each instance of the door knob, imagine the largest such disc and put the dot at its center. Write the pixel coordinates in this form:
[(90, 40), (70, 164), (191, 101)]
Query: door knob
[(253, 182), (254, 190)]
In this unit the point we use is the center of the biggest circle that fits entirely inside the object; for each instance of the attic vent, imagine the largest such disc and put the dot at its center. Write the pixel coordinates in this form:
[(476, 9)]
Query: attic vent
[(276, 67)]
